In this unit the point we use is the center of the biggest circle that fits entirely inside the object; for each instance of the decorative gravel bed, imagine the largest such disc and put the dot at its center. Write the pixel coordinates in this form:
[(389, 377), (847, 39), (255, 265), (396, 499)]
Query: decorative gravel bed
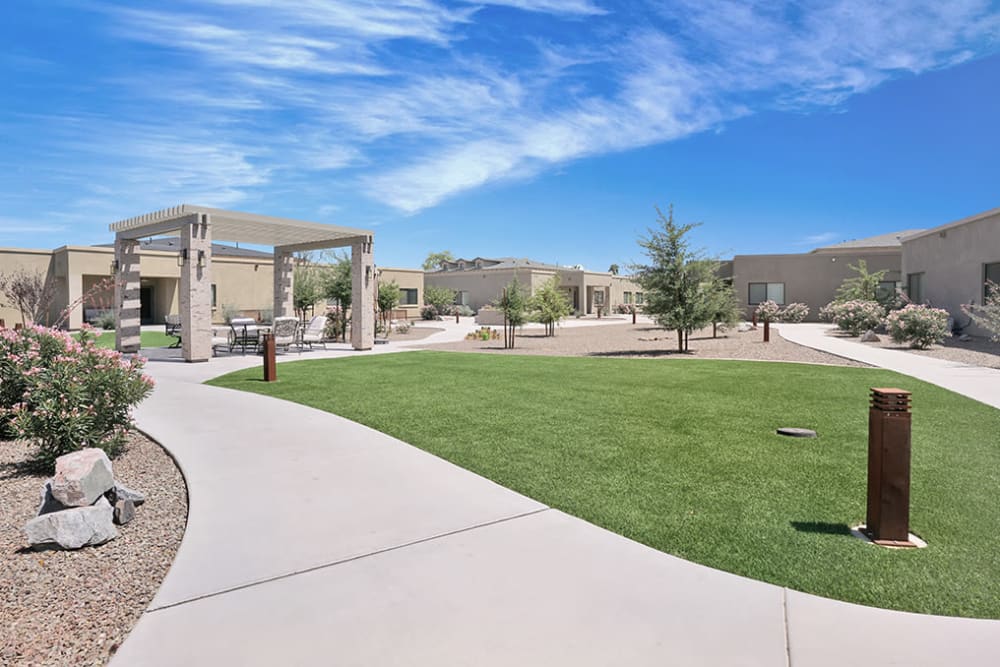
[(76, 607), (975, 352), (646, 340)]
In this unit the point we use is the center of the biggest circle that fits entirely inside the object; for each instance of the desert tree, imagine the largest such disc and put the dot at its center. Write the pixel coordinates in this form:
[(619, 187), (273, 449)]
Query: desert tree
[(549, 304), (513, 303), (28, 291), (436, 260)]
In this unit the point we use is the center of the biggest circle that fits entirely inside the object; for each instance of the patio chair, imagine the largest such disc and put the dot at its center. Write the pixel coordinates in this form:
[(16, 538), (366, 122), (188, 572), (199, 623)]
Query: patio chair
[(315, 333), (220, 338), (243, 333), (172, 327), (285, 330)]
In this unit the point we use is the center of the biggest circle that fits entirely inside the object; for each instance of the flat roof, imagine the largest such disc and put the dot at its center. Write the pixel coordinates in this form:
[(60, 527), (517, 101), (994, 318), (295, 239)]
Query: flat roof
[(237, 226)]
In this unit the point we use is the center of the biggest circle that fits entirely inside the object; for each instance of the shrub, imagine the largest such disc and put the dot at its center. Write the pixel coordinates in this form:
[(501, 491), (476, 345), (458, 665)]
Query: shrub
[(854, 317), (429, 313), (767, 311), (65, 394), (794, 313), (828, 312), (463, 310), (403, 327), (105, 320), (987, 315), (336, 324), (624, 308), (920, 326)]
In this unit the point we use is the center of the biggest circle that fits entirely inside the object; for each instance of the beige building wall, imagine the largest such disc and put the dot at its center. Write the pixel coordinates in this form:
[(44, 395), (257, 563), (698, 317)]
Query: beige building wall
[(622, 284), (32, 261), (952, 259), (809, 278), (408, 279), (482, 288)]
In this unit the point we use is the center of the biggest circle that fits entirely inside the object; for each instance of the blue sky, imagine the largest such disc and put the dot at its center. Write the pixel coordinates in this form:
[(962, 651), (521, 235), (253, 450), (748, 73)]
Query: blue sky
[(539, 128)]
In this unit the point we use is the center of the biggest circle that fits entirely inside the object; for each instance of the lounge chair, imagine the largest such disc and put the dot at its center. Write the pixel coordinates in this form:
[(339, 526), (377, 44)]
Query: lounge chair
[(285, 330), (221, 338), (315, 333), (172, 327), (243, 333)]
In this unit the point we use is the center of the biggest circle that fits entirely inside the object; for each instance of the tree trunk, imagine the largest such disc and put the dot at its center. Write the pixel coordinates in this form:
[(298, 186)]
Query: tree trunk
[(680, 340), (714, 329)]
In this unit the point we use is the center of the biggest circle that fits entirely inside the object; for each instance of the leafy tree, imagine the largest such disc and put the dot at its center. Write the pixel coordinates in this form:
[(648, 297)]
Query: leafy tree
[(613, 269), (513, 303), (987, 315), (388, 298), (724, 306), (863, 286), (441, 298), (436, 259), (550, 304), (337, 287), (307, 288), (29, 292), (678, 282)]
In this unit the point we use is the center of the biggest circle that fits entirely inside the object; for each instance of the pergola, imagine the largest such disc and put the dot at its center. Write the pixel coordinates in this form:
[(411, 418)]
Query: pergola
[(197, 227)]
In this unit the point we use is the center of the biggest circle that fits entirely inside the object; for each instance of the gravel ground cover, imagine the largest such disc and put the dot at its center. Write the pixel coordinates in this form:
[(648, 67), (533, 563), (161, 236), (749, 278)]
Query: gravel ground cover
[(975, 352), (646, 340), (76, 607)]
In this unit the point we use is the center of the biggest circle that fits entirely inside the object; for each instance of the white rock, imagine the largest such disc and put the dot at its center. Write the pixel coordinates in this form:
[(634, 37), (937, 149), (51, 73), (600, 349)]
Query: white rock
[(122, 492), (82, 477), (869, 337), (124, 511), (743, 327), (48, 502), (74, 527)]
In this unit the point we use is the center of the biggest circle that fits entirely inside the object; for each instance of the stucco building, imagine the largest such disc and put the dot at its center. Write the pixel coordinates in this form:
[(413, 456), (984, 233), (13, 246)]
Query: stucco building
[(948, 266)]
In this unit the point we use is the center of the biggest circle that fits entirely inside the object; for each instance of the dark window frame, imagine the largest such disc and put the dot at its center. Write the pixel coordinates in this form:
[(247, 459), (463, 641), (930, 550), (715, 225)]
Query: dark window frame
[(767, 293)]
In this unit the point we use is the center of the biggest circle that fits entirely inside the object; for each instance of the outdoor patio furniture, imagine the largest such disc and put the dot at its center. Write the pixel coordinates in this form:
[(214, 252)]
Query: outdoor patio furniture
[(172, 327), (243, 333), (285, 331), (315, 333), (220, 338)]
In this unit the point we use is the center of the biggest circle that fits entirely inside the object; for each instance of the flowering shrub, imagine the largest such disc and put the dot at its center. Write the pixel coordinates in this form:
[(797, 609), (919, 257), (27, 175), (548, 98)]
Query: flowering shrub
[(66, 394), (794, 312), (920, 326), (767, 311), (403, 327), (624, 308), (987, 315), (463, 310), (828, 312), (854, 317), (429, 313)]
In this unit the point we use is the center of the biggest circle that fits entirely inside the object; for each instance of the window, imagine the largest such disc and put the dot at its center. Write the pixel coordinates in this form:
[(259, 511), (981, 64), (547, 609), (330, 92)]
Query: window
[(408, 296), (628, 297), (915, 287), (991, 273), (213, 295), (760, 292), (638, 298), (461, 298), (886, 290), (598, 297)]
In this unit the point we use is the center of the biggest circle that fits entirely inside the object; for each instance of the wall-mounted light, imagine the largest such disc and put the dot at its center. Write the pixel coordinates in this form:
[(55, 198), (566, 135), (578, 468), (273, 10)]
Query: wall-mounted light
[(201, 259), (182, 257), (114, 266), (368, 272)]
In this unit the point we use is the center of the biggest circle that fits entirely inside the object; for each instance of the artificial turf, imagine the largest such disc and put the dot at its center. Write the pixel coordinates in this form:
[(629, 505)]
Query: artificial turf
[(146, 339), (681, 455)]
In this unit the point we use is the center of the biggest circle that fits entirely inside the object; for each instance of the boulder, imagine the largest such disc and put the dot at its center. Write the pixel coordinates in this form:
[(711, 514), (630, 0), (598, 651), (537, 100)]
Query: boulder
[(122, 492), (124, 511), (743, 327), (73, 528), (48, 502), (82, 477), (869, 337)]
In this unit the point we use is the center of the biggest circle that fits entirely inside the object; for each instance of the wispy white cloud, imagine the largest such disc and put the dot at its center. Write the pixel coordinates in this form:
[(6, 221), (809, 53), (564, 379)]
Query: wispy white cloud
[(566, 7), (817, 239)]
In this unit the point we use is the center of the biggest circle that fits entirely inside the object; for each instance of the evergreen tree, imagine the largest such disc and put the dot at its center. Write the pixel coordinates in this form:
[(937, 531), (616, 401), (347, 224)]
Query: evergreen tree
[(550, 304)]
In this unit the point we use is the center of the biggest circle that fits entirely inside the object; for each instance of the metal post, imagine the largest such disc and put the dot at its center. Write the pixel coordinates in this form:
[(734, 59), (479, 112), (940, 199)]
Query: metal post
[(270, 365), (456, 316), (767, 331), (753, 319), (633, 316), (888, 520)]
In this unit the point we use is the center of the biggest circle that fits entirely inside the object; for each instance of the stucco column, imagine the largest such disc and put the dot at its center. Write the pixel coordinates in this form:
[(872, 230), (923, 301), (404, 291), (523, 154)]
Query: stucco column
[(284, 294), (362, 295), (126, 295), (196, 288)]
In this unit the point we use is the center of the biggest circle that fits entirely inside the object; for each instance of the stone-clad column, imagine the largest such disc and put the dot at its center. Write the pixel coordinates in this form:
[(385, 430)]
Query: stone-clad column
[(362, 295), (127, 295), (196, 288), (284, 294)]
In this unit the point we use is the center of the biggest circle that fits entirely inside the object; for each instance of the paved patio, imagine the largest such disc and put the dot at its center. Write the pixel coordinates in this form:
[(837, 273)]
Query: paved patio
[(315, 540)]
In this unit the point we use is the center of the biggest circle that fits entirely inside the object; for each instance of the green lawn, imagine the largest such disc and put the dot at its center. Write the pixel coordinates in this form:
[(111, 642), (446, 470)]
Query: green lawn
[(681, 455), (146, 339)]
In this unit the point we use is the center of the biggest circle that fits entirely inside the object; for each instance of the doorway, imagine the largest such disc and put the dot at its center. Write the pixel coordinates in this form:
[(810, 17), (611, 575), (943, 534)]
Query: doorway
[(146, 305)]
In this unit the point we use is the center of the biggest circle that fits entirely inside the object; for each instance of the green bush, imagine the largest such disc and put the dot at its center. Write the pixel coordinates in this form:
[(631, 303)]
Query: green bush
[(429, 313), (67, 394), (920, 326), (854, 317)]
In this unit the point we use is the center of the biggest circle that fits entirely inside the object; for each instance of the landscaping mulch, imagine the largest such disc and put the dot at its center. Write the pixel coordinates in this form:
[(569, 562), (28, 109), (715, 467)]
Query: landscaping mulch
[(76, 607)]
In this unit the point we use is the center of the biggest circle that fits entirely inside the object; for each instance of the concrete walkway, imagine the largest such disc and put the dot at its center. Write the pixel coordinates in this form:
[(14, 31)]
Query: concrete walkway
[(312, 540), (976, 382)]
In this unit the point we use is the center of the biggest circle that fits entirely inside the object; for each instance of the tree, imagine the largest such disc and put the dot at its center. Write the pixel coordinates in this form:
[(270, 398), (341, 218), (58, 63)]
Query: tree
[(550, 304), (388, 298), (613, 269), (863, 286), (512, 303), (987, 315), (441, 298), (678, 282), (307, 288), (29, 292), (337, 287), (724, 306), (436, 259)]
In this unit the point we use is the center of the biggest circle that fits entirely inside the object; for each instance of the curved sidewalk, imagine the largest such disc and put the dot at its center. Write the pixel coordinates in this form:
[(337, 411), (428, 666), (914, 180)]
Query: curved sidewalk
[(976, 382), (314, 540)]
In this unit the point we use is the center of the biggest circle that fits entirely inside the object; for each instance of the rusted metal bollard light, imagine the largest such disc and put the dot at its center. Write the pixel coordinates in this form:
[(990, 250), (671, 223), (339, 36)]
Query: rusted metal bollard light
[(767, 331), (753, 319), (456, 316), (888, 520), (270, 365), (633, 316)]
